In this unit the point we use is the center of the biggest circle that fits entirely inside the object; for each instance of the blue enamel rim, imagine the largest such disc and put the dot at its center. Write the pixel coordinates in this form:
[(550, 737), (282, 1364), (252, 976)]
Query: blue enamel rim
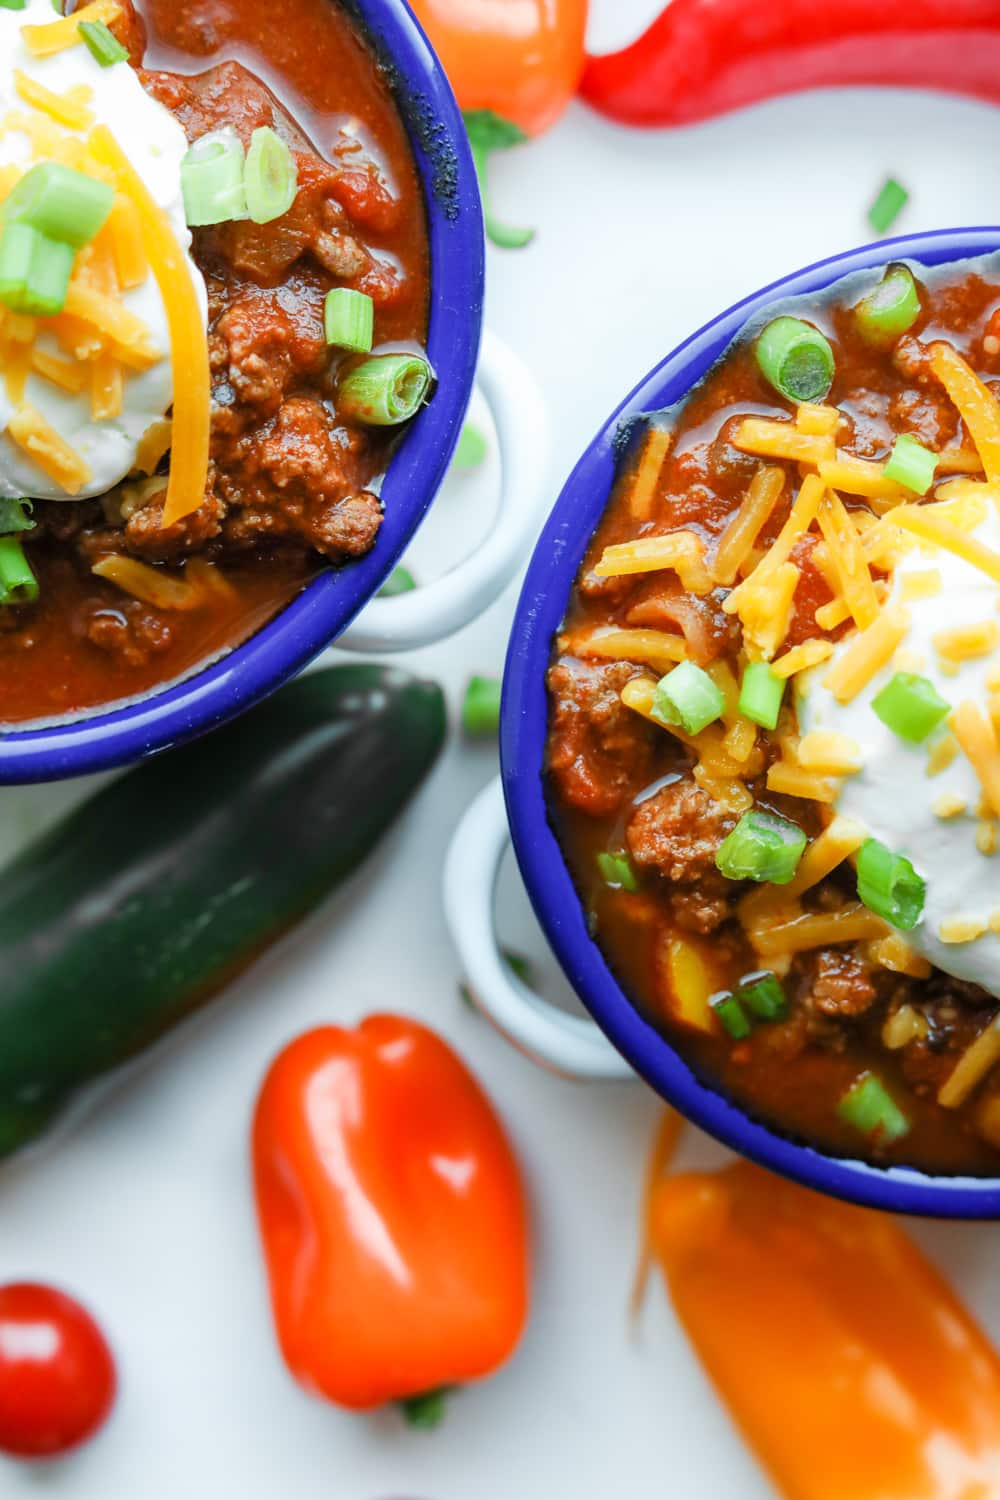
[(313, 620), (522, 745)]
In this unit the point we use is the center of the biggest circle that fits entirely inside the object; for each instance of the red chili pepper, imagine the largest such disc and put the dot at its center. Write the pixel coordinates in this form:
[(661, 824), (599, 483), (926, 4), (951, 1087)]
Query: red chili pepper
[(392, 1216), (703, 57), (57, 1376)]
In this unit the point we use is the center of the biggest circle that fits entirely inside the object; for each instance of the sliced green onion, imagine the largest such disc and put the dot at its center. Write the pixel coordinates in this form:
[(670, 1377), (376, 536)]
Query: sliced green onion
[(687, 696), (489, 132), (18, 584), (764, 996), (796, 359), (349, 319), (385, 390), (481, 707), (892, 308), (399, 581), (472, 448), (102, 44), (15, 515), (911, 464), (761, 692), (761, 847), (618, 871), (59, 202), (870, 1108), (891, 200), (271, 177), (34, 271), (212, 179), (910, 706), (890, 886), (427, 1411), (732, 1015)]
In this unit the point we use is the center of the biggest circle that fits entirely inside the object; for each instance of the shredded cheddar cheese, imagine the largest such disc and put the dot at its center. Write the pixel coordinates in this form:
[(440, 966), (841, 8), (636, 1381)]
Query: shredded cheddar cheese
[(828, 753), (868, 653), (69, 109), (781, 440), (850, 924), (647, 474), (817, 420), (681, 551), (796, 781), (737, 540), (147, 583), (801, 657), (978, 738), (189, 347), (975, 402), (923, 583), (655, 648), (848, 560), (860, 476), (963, 642), (53, 455), (56, 36)]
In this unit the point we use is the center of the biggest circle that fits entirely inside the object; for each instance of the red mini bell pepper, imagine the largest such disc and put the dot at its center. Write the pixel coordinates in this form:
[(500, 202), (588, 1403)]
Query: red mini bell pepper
[(392, 1215), (703, 57)]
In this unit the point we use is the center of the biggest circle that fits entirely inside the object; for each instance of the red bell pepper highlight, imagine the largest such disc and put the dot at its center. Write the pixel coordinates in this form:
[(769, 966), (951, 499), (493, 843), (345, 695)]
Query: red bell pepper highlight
[(392, 1216), (703, 57)]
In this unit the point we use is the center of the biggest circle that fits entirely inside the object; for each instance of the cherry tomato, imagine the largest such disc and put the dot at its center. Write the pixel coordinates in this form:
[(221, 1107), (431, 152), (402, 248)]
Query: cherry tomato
[(57, 1375)]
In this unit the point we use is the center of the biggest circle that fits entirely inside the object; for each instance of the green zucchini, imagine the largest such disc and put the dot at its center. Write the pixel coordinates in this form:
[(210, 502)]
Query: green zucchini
[(145, 901)]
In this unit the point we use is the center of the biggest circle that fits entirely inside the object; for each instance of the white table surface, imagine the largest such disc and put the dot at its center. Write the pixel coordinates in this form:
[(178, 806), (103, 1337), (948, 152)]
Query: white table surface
[(144, 1211)]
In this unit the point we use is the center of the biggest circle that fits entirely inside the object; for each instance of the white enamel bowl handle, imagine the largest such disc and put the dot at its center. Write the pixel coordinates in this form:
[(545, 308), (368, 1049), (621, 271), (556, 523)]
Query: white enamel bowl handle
[(429, 614), (569, 1045)]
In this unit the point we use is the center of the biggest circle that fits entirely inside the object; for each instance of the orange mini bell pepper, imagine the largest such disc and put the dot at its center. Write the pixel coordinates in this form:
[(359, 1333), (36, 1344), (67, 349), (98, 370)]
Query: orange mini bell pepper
[(514, 66), (392, 1216), (851, 1368)]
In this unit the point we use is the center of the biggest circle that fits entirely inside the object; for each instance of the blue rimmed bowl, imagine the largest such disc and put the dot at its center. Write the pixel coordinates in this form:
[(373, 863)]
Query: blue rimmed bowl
[(101, 740), (560, 1041)]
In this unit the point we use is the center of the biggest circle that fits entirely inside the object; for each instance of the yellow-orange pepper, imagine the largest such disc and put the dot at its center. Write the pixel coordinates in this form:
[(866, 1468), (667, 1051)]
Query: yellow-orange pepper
[(851, 1368)]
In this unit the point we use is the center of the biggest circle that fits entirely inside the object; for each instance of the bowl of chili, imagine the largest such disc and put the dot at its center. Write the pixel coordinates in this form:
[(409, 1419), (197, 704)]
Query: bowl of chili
[(844, 1102), (100, 670)]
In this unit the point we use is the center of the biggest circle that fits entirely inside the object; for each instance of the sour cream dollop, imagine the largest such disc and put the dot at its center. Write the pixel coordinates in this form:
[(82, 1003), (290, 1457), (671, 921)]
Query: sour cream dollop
[(894, 796), (155, 144)]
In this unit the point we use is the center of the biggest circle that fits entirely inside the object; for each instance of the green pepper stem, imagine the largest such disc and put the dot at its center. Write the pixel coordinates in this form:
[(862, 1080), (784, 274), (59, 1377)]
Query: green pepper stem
[(427, 1410)]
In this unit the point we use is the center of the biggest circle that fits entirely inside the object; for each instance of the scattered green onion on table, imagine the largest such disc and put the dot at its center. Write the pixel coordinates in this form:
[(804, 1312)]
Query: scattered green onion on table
[(481, 707)]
